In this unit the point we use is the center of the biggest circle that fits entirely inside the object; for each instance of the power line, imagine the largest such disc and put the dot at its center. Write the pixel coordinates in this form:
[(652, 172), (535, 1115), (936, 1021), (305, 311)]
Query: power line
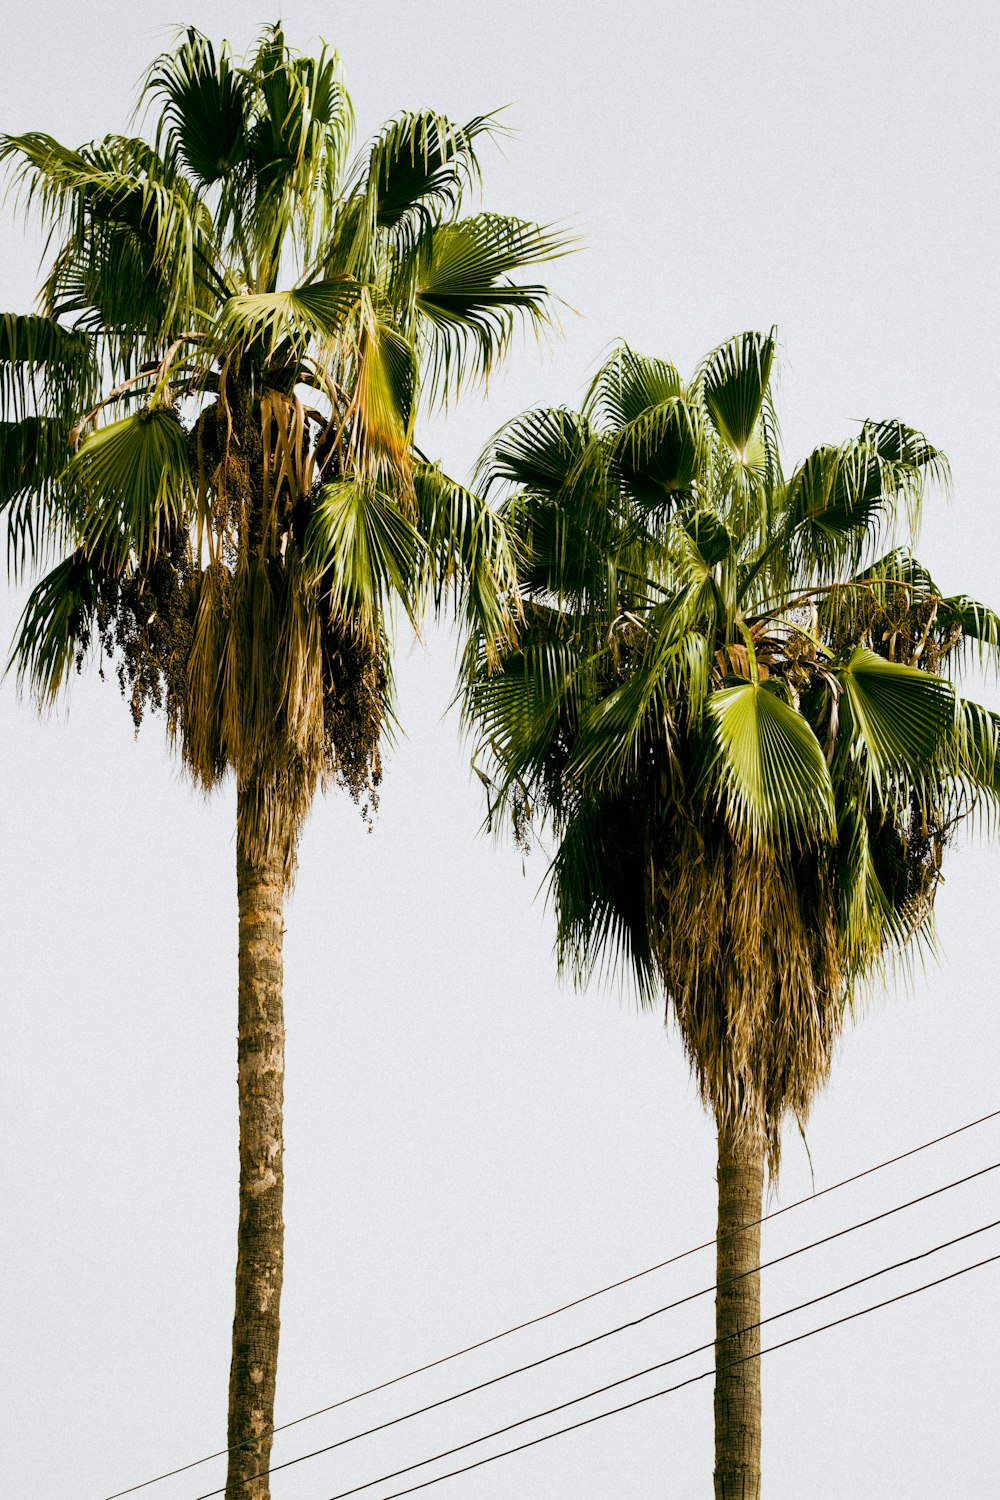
[(565, 1307), (608, 1333), (668, 1390)]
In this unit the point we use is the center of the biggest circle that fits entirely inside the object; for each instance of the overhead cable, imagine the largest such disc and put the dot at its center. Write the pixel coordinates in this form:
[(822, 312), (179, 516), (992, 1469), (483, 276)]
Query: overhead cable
[(669, 1390), (610, 1332), (564, 1307)]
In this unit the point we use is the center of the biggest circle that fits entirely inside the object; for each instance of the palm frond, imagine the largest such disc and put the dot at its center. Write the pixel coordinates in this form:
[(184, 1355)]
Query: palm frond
[(768, 768), (838, 499), (600, 897), (204, 108), (45, 368), (301, 132), (362, 550), (967, 625), (467, 551), (468, 300), (539, 451), (629, 384), (419, 168), (56, 626), (33, 454), (315, 312), (524, 711), (383, 403), (111, 195), (131, 484), (669, 666), (978, 742), (874, 928), (735, 380), (897, 714), (661, 451)]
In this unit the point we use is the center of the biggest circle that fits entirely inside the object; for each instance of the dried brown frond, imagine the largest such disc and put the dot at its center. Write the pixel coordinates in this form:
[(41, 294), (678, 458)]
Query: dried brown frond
[(747, 946)]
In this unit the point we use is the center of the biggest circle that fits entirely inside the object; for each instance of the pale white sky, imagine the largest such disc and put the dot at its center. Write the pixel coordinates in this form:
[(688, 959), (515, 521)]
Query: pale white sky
[(468, 1142)]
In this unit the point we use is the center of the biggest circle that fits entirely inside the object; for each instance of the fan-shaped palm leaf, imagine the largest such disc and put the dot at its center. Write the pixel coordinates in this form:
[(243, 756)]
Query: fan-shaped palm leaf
[(363, 550), (317, 311), (735, 381), (897, 714), (204, 108), (629, 384), (471, 305), (131, 481), (769, 768), (420, 166)]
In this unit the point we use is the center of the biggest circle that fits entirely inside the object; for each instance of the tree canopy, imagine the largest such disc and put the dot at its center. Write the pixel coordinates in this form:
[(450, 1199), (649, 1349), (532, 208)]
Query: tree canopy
[(211, 416), (729, 697)]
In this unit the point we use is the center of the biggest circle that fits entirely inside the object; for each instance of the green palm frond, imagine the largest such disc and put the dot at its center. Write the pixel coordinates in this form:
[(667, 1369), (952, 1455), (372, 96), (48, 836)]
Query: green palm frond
[(661, 451), (419, 168), (638, 719), (316, 312), (630, 384), (978, 735), (467, 296), (574, 565), (897, 714), (768, 767), (570, 542), (526, 709), (600, 896), (711, 538), (468, 551), (44, 367), (33, 454), (202, 123), (299, 137), (735, 383), (540, 451), (56, 626), (968, 625), (112, 198), (362, 551), (131, 485), (384, 399), (839, 498), (873, 927)]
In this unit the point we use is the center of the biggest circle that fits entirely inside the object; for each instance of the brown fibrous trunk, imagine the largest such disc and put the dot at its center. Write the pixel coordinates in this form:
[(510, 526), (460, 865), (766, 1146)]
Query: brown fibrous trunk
[(737, 1316), (261, 1071)]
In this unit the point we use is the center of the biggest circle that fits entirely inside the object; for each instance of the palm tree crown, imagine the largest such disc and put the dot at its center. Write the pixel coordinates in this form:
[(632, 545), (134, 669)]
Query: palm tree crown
[(730, 702), (213, 411)]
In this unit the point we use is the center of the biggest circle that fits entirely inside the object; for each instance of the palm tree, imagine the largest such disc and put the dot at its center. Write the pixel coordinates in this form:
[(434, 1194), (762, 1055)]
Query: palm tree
[(734, 715), (210, 422)]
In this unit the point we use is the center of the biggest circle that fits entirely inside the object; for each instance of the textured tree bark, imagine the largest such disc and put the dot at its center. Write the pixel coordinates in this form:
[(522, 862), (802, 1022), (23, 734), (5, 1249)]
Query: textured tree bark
[(261, 1231), (737, 1305)]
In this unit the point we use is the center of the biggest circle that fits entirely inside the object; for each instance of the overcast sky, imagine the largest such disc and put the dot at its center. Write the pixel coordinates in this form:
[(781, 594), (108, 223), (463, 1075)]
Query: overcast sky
[(468, 1141)]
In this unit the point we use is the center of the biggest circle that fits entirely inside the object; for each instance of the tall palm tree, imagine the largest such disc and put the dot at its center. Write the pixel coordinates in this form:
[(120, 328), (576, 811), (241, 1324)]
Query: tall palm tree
[(210, 420), (731, 705)]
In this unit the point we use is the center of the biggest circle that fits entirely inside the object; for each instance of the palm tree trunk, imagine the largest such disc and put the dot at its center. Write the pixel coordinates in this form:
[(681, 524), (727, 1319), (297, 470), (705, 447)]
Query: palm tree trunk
[(737, 1306), (261, 1232)]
